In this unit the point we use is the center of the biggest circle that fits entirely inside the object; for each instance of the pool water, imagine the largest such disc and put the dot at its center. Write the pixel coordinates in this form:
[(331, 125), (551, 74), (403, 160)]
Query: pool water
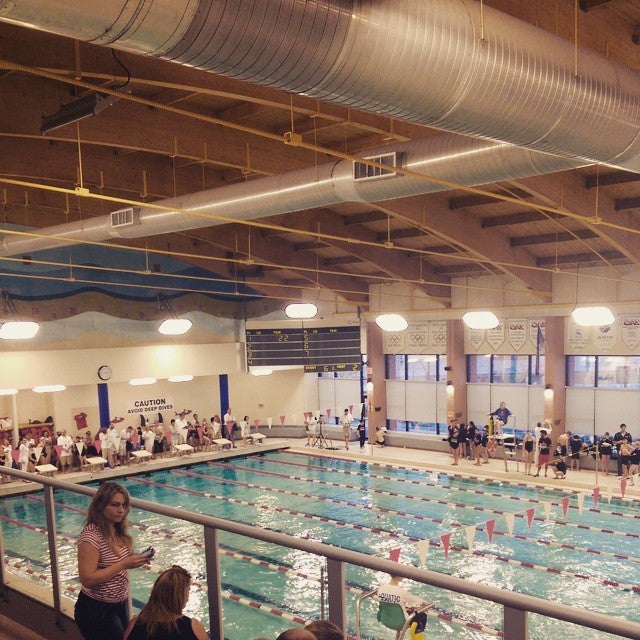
[(588, 560)]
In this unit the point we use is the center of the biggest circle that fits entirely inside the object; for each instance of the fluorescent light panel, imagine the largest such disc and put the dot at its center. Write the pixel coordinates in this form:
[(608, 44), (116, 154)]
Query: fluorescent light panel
[(391, 322), (49, 388), (301, 310), (175, 327), (593, 316), (138, 382), (185, 378), (480, 319), (18, 330)]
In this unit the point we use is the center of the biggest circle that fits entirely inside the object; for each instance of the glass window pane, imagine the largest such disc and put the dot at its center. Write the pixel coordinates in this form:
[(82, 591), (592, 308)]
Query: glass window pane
[(442, 363), (422, 367), (510, 369), (478, 367), (396, 425), (581, 371), (537, 370), (395, 367), (619, 372)]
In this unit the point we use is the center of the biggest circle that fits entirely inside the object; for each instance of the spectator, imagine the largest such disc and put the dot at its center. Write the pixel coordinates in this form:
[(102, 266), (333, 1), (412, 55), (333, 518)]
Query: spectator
[(296, 634), (346, 420), (66, 442), (325, 630), (162, 617), (105, 554), (620, 437)]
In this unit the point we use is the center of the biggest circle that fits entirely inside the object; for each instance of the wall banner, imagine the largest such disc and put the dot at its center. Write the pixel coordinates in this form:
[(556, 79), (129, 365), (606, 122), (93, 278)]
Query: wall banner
[(149, 405), (517, 332), (630, 330)]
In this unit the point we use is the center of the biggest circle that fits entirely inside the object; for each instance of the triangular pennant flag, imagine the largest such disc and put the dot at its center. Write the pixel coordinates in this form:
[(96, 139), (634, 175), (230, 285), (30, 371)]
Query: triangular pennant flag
[(470, 531), (58, 448), (80, 447), (16, 454), (565, 505), (596, 496), (316, 413), (446, 542), (229, 425), (394, 554), (38, 452), (98, 444), (200, 431), (328, 412), (623, 486), (350, 408), (307, 415), (135, 438), (423, 549), (256, 422), (607, 494), (547, 509), (510, 518), (269, 422), (168, 435), (282, 419), (491, 525), (580, 502), (530, 511)]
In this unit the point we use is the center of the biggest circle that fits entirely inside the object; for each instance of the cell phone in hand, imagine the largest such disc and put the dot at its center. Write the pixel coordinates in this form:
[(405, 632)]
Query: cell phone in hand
[(149, 551)]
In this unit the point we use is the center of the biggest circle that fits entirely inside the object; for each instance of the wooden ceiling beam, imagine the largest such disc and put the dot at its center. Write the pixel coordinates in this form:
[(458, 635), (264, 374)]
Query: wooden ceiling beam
[(476, 200), (606, 179), (521, 217), (550, 238), (622, 204), (579, 258)]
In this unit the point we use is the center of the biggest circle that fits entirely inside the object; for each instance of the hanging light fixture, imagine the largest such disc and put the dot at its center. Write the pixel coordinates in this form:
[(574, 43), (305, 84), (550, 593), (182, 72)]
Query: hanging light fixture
[(184, 378), (391, 322), (593, 316), (480, 319), (301, 310), (8, 392), (139, 382), (172, 326), (261, 371), (15, 329)]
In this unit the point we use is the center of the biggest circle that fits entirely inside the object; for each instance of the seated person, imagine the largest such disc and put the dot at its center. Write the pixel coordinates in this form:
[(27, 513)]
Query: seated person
[(391, 596), (381, 432)]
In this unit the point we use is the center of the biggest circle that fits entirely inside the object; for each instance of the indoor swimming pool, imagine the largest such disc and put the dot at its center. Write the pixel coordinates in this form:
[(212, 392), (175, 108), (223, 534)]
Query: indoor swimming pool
[(587, 558)]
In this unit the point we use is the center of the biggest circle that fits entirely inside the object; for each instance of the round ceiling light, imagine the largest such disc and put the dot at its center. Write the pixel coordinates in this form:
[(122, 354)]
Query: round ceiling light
[(185, 378), (18, 330), (261, 371), (175, 326), (593, 316), (301, 310), (480, 319), (138, 382), (391, 322), (49, 388)]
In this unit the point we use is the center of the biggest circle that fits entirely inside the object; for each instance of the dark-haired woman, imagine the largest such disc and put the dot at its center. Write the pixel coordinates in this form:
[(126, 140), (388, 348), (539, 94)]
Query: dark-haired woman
[(105, 553), (162, 617)]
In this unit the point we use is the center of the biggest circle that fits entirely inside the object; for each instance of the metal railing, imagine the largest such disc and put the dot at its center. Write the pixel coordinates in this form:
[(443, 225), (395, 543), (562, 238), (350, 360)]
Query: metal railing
[(516, 606)]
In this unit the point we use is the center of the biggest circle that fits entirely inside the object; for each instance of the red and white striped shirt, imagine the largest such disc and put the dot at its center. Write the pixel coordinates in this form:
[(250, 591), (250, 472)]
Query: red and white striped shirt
[(117, 588)]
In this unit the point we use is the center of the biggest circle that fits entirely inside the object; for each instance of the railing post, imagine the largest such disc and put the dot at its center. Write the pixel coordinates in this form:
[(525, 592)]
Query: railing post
[(336, 583), (3, 594), (516, 625), (214, 590), (53, 553)]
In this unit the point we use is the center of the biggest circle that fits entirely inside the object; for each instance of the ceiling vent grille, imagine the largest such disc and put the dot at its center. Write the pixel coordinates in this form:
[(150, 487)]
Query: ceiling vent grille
[(123, 217), (364, 171)]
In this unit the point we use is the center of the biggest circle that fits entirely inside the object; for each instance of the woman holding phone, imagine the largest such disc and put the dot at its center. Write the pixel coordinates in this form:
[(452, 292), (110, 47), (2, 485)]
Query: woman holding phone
[(105, 554)]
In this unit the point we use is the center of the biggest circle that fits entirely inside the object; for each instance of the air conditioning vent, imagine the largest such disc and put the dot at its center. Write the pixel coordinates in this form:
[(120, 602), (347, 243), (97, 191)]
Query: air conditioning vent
[(363, 171), (123, 218)]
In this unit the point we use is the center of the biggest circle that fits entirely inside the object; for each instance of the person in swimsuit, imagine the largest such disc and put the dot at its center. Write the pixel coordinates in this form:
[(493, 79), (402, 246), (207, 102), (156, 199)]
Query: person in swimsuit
[(605, 447), (528, 443)]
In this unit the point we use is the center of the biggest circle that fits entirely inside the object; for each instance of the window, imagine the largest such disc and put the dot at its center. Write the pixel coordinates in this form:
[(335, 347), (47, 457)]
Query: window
[(618, 372), (396, 425), (478, 368), (422, 368), (537, 377), (510, 369), (395, 366), (581, 371)]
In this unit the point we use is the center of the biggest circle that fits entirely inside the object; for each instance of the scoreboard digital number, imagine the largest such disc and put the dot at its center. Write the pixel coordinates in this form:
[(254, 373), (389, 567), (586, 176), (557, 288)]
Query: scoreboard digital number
[(321, 349)]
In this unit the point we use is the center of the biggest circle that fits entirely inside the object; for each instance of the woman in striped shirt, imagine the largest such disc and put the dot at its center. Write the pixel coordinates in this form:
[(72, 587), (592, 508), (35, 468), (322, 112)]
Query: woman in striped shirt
[(105, 553)]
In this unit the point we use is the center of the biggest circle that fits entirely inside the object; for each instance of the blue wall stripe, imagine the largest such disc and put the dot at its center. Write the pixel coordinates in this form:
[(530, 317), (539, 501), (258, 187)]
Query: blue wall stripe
[(103, 404), (224, 393)]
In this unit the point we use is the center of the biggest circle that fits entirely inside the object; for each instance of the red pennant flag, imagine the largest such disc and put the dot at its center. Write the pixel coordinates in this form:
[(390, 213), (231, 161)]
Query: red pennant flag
[(394, 554), (350, 408), (16, 454), (446, 542), (623, 486), (307, 415), (596, 496), (98, 445), (530, 511), (282, 418), (565, 505), (229, 425), (200, 431), (256, 422), (58, 448), (167, 435), (134, 439), (491, 525), (328, 411)]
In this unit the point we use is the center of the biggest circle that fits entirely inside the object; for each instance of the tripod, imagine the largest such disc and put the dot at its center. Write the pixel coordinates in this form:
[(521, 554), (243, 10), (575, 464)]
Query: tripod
[(320, 440)]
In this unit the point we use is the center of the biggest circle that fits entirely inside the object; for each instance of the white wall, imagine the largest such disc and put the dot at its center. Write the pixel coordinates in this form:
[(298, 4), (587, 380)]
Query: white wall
[(602, 410), (338, 394)]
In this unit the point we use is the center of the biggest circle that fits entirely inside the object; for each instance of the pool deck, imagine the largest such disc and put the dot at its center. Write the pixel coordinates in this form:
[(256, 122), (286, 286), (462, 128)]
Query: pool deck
[(583, 481)]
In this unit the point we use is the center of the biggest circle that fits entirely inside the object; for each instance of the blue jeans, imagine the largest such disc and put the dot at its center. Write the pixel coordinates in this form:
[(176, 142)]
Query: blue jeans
[(101, 620)]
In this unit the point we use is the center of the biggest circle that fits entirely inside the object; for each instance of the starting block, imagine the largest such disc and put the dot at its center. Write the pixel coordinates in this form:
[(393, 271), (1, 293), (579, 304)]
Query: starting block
[(97, 463), (182, 449), (141, 455), (257, 438), (222, 443), (46, 469)]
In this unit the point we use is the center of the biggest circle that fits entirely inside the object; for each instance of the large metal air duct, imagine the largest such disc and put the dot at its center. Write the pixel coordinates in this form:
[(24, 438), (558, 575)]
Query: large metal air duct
[(420, 61)]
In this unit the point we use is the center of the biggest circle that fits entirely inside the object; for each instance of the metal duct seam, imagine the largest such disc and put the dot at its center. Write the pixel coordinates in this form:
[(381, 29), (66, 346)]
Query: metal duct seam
[(446, 157)]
